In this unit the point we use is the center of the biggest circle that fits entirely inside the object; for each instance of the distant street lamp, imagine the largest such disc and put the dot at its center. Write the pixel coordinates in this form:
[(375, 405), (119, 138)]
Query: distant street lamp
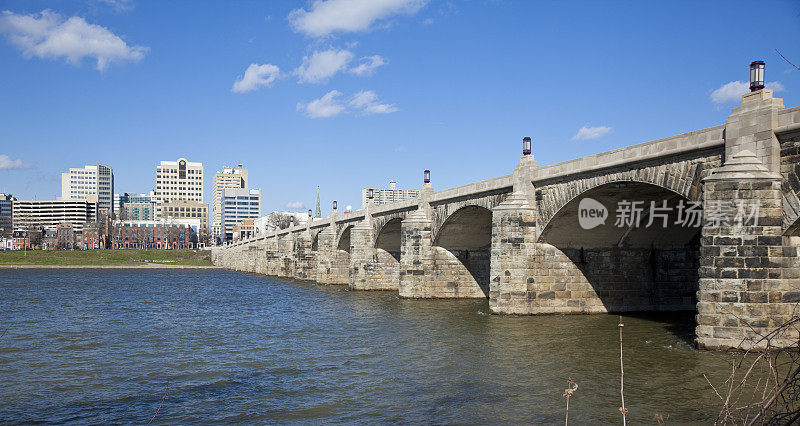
[(334, 204), (756, 75), (427, 176), (370, 193), (526, 145), (309, 213)]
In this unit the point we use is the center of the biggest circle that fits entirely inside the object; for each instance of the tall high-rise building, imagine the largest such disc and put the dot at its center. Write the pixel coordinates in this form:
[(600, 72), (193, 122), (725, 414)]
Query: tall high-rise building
[(178, 180), (6, 214), (238, 204), (90, 183), (229, 177), (388, 195)]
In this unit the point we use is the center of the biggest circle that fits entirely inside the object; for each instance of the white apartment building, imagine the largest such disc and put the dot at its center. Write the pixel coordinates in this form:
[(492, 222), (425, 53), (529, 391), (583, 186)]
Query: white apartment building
[(387, 195), (229, 177), (51, 213), (238, 204), (90, 183), (178, 180)]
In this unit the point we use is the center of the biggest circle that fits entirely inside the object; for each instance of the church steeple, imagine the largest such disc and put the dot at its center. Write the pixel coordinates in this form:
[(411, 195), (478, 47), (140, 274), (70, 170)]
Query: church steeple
[(318, 212)]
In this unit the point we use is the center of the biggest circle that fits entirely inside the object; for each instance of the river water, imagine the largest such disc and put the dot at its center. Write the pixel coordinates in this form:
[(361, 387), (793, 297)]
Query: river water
[(101, 346)]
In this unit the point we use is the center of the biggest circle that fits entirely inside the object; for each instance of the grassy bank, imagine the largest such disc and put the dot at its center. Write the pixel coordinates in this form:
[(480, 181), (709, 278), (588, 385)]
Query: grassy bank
[(106, 257)]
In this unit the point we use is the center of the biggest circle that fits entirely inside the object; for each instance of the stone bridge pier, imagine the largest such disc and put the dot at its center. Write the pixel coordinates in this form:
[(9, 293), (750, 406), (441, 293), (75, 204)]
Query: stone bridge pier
[(706, 222)]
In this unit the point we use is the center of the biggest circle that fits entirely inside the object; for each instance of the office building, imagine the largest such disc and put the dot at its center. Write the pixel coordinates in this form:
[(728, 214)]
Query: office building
[(120, 200), (138, 211), (90, 183), (178, 180), (238, 204), (6, 214), (138, 207), (185, 209), (243, 230), (51, 213), (229, 177), (388, 195)]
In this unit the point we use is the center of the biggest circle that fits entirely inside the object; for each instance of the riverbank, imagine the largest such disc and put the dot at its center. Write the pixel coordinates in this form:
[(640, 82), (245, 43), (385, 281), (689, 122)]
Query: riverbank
[(106, 259)]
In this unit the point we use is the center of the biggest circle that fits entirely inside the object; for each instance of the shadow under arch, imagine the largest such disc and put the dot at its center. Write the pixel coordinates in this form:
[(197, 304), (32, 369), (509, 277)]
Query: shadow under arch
[(616, 266), (343, 242), (388, 240), (315, 241), (463, 247)]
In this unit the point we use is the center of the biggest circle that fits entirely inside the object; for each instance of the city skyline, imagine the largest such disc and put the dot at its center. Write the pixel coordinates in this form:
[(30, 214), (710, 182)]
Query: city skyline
[(410, 85)]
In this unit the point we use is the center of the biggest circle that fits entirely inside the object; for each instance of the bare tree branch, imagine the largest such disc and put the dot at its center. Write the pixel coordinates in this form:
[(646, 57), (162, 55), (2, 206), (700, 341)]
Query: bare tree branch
[(784, 58)]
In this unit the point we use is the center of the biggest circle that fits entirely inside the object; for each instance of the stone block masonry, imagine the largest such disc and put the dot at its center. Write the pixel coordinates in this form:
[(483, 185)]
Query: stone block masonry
[(516, 239)]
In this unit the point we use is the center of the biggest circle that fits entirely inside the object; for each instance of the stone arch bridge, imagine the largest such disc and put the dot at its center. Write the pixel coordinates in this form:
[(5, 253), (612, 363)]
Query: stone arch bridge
[(518, 239)]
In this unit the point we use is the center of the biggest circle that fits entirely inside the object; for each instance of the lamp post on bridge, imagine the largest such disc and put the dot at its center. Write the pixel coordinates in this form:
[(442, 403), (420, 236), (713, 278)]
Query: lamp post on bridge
[(526, 145), (427, 176), (756, 75)]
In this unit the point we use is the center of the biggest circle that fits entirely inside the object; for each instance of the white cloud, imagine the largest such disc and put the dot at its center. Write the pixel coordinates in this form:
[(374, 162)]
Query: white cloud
[(366, 101), (255, 77), (776, 86), (295, 205), (6, 163), (586, 133), (733, 91), (327, 17), (47, 35), (119, 5), (324, 107), (368, 65), (427, 21), (323, 65)]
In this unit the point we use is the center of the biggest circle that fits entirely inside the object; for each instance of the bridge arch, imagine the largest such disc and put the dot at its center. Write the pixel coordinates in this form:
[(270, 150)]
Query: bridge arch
[(343, 239), (682, 175), (388, 239), (315, 240), (462, 250), (612, 265)]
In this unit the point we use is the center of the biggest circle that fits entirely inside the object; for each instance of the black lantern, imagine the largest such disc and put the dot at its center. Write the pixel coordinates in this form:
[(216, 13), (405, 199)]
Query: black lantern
[(291, 220), (334, 205), (309, 212), (370, 193), (756, 75), (427, 176), (526, 145)]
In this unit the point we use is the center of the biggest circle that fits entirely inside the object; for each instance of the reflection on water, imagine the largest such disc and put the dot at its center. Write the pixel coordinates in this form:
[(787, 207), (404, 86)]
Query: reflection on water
[(100, 345)]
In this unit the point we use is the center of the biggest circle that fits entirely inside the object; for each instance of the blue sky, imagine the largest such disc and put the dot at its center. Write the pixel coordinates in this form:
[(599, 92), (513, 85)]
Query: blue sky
[(345, 94)]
